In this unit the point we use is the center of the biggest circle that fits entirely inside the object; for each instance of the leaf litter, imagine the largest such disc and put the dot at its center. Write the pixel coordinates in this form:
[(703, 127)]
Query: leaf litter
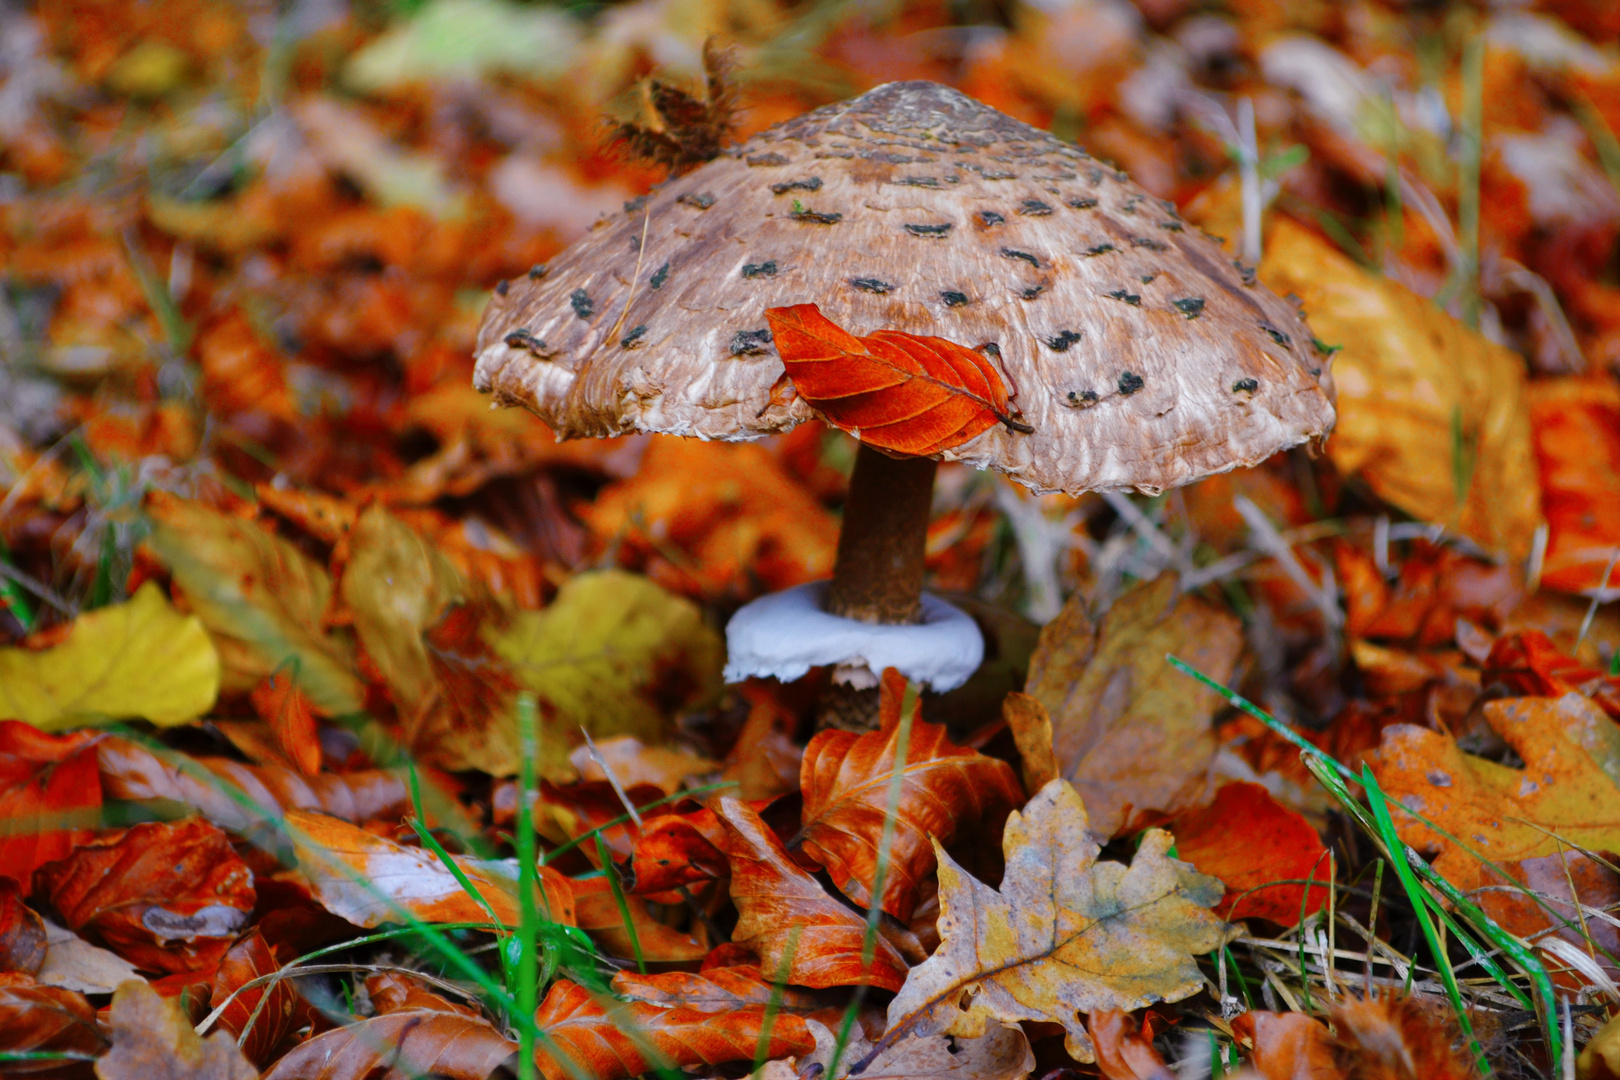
[(275, 584)]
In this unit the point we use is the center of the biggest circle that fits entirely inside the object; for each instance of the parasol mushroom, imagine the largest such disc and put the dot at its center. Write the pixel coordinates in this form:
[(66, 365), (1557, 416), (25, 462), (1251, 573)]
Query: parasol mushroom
[(1136, 351)]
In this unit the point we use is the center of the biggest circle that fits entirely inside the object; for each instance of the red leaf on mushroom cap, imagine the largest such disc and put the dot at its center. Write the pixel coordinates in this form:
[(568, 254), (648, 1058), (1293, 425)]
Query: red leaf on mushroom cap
[(895, 391)]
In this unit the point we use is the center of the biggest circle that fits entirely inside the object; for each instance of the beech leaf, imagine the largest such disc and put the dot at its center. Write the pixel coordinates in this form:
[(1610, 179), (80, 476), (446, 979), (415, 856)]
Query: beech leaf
[(49, 797), (607, 1039), (367, 879), (1064, 934), (896, 391), (786, 917), (846, 777), (36, 1018), (141, 658)]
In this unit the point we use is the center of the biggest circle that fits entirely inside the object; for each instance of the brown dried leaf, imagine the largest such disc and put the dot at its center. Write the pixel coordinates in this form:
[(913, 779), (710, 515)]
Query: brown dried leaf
[(1131, 734), (1001, 1053), (250, 958), (166, 896), (22, 932), (418, 1034), (1123, 1051), (1064, 934), (715, 990), (608, 1039), (786, 917), (1287, 1046), (596, 911), (46, 1019), (134, 773), (846, 779), (153, 1040)]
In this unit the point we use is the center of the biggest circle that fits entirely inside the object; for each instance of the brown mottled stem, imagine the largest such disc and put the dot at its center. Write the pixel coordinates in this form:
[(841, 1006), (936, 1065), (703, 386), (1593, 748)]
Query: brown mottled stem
[(878, 575)]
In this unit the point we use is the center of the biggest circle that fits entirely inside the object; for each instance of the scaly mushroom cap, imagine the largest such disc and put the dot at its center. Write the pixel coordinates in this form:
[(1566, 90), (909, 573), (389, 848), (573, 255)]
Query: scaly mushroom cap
[(1141, 355)]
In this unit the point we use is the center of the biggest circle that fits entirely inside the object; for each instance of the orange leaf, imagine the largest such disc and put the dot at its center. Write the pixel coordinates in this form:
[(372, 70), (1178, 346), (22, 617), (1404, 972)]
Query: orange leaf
[(1123, 1052), (675, 850), (417, 1034), (1290, 1046), (786, 917), (1532, 664), (368, 879), (846, 778), (49, 797), (1249, 840), (22, 932), (166, 896), (45, 1019), (895, 391), (250, 958), (281, 704), (596, 911), (608, 1044), (153, 1040), (716, 990)]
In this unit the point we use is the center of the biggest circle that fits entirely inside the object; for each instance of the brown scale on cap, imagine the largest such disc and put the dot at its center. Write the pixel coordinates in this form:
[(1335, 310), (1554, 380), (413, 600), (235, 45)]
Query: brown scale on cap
[(1141, 355)]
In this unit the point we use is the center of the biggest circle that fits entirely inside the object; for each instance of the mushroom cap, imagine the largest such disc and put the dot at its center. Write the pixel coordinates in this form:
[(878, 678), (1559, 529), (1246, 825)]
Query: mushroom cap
[(1140, 353)]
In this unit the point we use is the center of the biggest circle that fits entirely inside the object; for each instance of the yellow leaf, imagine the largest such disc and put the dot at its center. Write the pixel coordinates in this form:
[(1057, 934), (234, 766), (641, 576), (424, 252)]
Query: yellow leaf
[(614, 653), (140, 659), (1432, 416), (260, 597), (1563, 797), (1065, 934)]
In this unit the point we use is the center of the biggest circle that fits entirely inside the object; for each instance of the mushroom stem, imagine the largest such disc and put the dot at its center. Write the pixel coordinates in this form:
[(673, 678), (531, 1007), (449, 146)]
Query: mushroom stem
[(878, 573)]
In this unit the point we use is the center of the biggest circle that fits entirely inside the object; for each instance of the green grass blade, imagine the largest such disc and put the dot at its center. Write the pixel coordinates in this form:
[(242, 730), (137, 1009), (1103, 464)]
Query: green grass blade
[(586, 836), (612, 873), (528, 966)]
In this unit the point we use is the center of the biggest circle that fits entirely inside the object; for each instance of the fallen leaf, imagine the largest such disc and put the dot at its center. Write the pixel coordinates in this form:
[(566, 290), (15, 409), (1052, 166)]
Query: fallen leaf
[(72, 963), (1547, 888), (152, 1040), (787, 918), (139, 659), (1288, 1046), (1600, 1058), (715, 518), (1531, 663), (596, 911), (1396, 1036), (1433, 418), (1031, 728), (50, 797), (1132, 735), (417, 1034), (281, 704), (370, 880), (846, 780), (166, 896), (633, 762), (1001, 1053), (1123, 1051), (1064, 934), (1562, 798), (248, 959), (46, 1019), (1576, 426), (615, 654), (674, 850), (133, 773), (764, 762), (607, 1039), (261, 599), (22, 932), (714, 990), (896, 391), (1249, 840)]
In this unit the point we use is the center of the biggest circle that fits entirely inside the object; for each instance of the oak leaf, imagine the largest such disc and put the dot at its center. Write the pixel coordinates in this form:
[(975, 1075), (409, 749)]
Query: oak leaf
[(153, 1040), (1259, 848), (416, 1034), (1001, 1053), (50, 798), (892, 390), (141, 658), (1064, 934), (166, 896), (1132, 735), (786, 917), (1562, 798), (262, 600), (846, 779), (368, 879), (607, 1039)]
